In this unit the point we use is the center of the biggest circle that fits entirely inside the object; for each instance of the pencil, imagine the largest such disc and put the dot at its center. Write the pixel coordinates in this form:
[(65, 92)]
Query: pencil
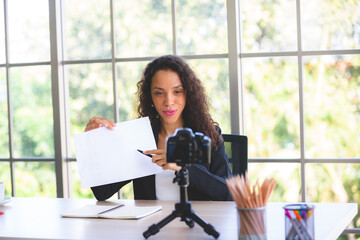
[(251, 201), (141, 151), (118, 206)]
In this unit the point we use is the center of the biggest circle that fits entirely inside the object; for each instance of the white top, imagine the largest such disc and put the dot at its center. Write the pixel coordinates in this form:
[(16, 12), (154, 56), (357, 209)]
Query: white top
[(165, 188)]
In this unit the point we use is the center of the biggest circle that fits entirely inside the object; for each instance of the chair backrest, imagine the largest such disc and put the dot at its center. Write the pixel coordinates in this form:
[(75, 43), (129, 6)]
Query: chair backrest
[(236, 146)]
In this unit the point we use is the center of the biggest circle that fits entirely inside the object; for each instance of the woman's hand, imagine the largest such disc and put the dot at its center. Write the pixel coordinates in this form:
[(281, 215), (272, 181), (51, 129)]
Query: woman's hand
[(97, 122), (159, 158)]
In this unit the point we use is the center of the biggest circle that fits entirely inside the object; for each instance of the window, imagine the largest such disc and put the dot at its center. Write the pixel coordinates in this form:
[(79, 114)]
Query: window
[(27, 146), (300, 68), (286, 74), (102, 77)]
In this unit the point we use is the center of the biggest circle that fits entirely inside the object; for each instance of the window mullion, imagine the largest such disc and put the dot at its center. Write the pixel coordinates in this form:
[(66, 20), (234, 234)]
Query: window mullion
[(173, 21), (57, 86), (301, 103), (9, 105), (113, 63), (236, 84)]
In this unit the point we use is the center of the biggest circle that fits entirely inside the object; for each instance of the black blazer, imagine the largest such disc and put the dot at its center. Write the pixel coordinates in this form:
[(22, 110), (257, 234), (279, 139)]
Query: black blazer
[(206, 182)]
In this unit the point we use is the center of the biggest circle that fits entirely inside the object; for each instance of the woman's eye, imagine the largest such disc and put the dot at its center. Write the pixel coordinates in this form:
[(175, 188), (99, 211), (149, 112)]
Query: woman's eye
[(158, 93), (178, 91)]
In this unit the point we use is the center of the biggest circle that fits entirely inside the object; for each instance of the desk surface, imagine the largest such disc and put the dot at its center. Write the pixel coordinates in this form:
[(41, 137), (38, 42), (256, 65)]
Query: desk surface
[(39, 218)]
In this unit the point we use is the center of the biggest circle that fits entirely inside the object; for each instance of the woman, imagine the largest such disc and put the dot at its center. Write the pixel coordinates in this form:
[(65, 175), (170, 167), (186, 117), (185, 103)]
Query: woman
[(172, 97)]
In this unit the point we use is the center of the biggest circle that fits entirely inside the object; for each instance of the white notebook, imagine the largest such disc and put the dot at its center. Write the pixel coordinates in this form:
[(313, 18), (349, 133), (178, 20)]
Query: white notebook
[(115, 212)]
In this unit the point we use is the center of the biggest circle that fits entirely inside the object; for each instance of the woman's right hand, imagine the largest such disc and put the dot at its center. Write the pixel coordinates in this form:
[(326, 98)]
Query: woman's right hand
[(97, 122)]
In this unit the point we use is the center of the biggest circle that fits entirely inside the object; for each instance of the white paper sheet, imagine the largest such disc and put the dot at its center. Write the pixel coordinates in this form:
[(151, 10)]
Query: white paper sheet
[(107, 156)]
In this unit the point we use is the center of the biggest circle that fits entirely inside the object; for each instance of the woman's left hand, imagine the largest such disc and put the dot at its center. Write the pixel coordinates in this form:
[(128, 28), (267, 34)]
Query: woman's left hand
[(159, 158)]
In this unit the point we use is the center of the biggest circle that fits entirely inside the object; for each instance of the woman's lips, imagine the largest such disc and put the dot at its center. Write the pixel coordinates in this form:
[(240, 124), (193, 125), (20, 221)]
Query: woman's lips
[(169, 112)]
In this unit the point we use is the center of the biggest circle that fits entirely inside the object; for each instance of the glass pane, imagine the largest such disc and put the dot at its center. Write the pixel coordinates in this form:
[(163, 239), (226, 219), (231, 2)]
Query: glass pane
[(32, 111), (214, 74), (127, 191), (286, 175), (332, 106), (268, 26), (272, 107), (142, 28), (35, 179), (87, 29), (4, 130), (201, 27), (29, 37), (330, 25), (5, 177), (91, 94), (128, 75), (333, 183), (2, 33)]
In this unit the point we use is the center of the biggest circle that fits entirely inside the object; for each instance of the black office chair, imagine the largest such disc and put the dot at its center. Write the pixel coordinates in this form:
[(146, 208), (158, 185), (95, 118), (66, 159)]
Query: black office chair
[(236, 147)]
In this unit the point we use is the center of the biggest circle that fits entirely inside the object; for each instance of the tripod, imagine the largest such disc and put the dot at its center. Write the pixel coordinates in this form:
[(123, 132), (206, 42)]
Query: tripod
[(182, 210)]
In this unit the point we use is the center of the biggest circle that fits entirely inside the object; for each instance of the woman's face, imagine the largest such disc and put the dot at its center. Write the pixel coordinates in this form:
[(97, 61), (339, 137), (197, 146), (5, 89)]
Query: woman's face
[(168, 96)]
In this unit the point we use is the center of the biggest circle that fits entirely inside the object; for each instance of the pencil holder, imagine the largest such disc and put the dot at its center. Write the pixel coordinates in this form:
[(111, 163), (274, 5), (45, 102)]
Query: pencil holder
[(252, 223), (299, 222)]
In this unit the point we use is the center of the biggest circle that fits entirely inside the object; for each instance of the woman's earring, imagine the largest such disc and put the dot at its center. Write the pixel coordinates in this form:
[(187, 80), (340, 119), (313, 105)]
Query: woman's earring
[(157, 115), (152, 105)]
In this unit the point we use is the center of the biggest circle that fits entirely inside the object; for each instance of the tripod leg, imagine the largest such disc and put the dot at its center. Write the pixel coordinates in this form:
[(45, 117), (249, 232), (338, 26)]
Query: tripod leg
[(189, 222), (155, 228), (208, 228)]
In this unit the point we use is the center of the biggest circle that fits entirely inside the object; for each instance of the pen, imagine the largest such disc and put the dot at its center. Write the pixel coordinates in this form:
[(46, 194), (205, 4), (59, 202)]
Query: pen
[(141, 151), (294, 226), (303, 224), (309, 213), (118, 206)]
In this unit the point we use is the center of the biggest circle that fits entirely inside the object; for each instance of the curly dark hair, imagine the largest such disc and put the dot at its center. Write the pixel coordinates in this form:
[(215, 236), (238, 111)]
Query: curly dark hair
[(196, 112)]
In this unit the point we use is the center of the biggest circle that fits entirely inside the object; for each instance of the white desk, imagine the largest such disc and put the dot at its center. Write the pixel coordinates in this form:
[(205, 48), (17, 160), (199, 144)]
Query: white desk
[(39, 218)]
